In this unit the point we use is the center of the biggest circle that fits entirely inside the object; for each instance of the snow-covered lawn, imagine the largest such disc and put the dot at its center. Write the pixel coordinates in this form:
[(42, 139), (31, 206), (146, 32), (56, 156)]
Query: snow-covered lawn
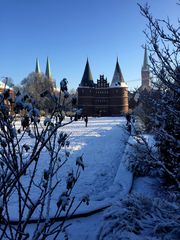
[(102, 145)]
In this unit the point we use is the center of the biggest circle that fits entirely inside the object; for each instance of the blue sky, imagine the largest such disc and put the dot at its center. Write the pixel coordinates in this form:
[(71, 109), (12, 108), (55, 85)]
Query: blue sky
[(69, 31)]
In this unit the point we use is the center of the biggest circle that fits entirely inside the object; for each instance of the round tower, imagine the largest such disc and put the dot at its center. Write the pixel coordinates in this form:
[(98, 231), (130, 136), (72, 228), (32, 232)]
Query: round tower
[(118, 92)]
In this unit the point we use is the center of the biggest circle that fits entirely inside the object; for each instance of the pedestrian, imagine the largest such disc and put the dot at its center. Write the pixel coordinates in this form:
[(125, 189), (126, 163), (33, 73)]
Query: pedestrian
[(128, 118), (129, 127), (86, 120), (25, 122)]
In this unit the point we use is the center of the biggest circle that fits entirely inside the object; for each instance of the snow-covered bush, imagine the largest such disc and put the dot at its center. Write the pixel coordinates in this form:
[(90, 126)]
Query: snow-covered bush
[(143, 159), (32, 154), (140, 218), (163, 114)]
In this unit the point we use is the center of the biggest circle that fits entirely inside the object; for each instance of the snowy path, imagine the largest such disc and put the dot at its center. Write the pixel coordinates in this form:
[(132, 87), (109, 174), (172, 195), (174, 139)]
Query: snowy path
[(102, 144)]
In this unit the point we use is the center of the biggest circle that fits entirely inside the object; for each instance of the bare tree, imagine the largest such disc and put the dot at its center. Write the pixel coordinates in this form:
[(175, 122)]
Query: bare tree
[(25, 180), (33, 85)]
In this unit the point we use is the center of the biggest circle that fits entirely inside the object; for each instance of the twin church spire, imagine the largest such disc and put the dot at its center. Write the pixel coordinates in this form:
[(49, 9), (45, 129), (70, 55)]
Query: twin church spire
[(48, 68)]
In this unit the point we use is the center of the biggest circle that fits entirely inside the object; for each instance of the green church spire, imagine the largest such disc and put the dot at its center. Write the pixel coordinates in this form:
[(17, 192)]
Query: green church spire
[(48, 69), (87, 79), (37, 69)]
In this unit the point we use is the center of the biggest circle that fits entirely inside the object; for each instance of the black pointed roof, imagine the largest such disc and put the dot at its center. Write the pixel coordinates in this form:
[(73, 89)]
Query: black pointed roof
[(87, 79), (117, 77)]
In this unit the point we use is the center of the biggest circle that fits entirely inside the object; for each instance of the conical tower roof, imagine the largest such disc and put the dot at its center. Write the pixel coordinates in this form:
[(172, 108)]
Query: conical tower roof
[(118, 79), (37, 69), (48, 69), (145, 62), (87, 79)]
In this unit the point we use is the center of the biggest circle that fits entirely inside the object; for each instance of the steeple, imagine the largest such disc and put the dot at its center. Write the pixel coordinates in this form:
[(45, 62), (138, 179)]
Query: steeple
[(48, 69), (87, 79), (145, 63), (118, 79), (37, 69), (145, 73)]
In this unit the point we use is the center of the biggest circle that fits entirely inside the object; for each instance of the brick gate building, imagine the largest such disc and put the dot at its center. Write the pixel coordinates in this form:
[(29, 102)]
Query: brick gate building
[(102, 99)]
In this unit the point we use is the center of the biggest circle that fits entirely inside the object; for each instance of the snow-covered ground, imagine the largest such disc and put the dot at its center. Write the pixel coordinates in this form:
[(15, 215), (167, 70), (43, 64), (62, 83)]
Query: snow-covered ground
[(102, 145), (105, 149)]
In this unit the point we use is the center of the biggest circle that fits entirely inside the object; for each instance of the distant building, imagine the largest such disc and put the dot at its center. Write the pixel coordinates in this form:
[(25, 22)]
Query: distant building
[(145, 73), (136, 97), (100, 99), (4, 87)]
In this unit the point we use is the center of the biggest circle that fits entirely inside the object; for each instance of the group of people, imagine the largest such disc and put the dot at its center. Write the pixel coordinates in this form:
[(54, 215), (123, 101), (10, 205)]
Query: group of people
[(128, 123), (85, 118)]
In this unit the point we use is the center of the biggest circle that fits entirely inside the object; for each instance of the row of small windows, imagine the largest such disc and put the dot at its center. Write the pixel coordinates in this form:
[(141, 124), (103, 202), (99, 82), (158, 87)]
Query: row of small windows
[(101, 92), (105, 101), (97, 91), (100, 84)]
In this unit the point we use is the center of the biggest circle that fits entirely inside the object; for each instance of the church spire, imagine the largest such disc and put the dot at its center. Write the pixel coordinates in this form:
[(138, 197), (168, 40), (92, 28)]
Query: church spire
[(145, 72), (145, 63), (48, 69), (37, 69), (117, 77), (87, 79)]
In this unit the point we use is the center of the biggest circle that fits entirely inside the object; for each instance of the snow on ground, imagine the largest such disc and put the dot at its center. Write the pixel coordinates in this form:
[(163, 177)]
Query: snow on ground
[(102, 144), (105, 179), (84, 228)]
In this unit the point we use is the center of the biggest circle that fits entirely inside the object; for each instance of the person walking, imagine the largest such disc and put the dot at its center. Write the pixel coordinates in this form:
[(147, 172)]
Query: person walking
[(128, 118), (86, 120)]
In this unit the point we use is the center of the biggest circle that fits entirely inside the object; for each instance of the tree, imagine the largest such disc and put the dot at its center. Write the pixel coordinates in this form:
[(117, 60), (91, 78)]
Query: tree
[(163, 41), (25, 181), (8, 81), (34, 84)]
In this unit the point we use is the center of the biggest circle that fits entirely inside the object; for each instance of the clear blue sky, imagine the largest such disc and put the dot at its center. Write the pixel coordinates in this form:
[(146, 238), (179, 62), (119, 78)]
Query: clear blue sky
[(69, 31)]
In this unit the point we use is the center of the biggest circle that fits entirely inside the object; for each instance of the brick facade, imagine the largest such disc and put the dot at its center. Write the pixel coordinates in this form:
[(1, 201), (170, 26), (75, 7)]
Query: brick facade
[(102, 99)]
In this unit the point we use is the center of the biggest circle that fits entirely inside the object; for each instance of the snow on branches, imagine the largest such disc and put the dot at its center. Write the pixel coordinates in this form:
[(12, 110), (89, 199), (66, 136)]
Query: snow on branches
[(138, 217)]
